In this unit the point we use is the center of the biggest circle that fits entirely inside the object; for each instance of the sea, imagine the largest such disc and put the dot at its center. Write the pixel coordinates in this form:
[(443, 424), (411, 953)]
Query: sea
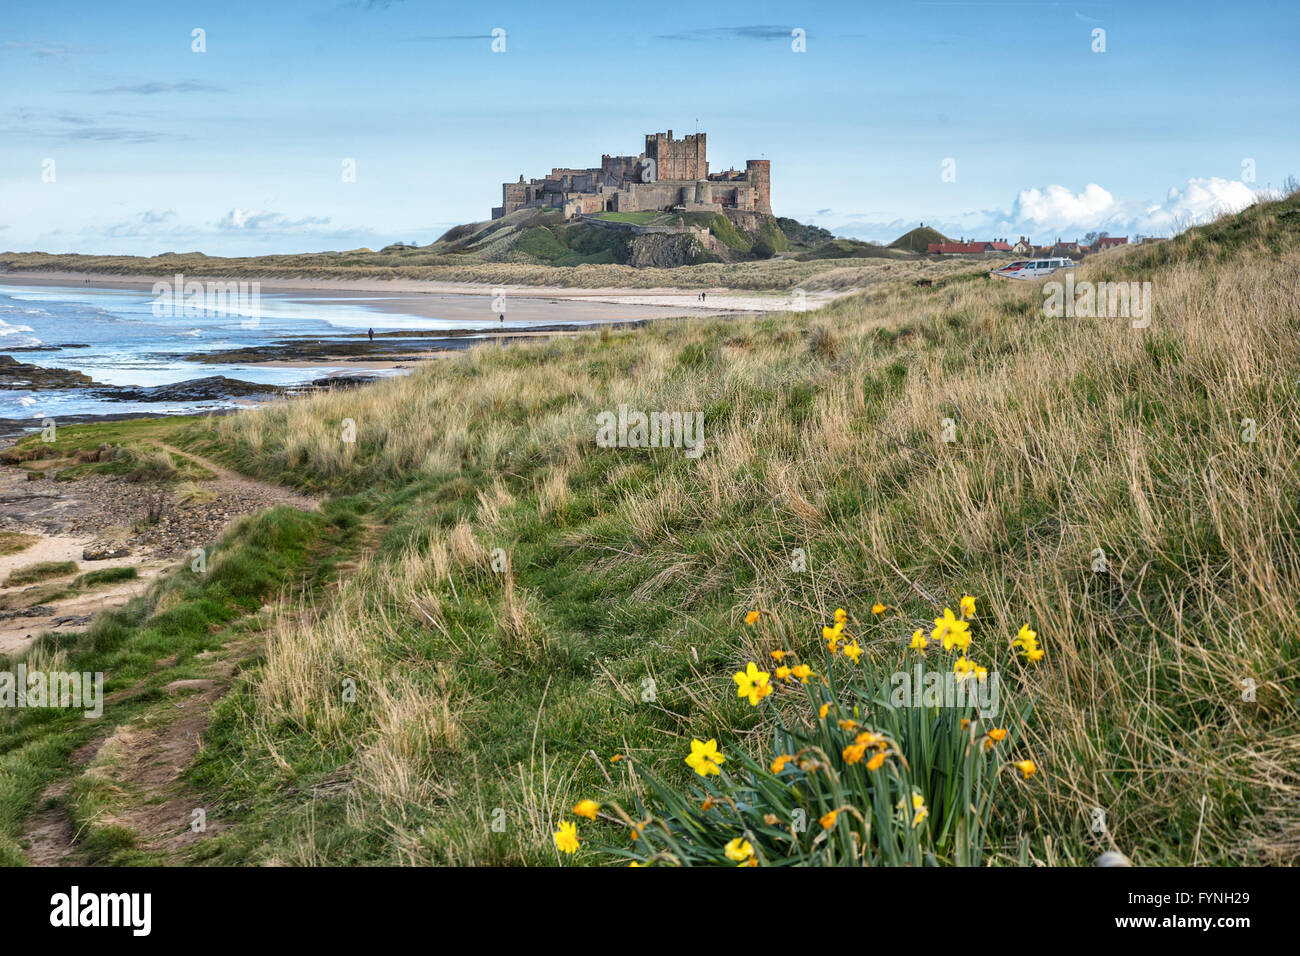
[(117, 337)]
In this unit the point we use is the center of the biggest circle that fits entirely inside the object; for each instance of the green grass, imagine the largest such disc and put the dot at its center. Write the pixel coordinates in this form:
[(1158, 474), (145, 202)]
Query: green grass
[(102, 576), (635, 218), (41, 571), (502, 692), (164, 635)]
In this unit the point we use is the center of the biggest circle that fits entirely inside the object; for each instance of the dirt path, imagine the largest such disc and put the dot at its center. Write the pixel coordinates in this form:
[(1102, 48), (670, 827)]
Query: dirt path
[(233, 481)]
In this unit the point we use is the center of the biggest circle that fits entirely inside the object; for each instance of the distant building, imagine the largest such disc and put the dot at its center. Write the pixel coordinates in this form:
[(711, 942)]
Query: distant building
[(669, 174), (1024, 247), (1066, 248), (965, 248), (1109, 242)]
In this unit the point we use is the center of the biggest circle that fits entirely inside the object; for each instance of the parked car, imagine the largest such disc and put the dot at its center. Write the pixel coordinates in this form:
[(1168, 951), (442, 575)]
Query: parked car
[(1032, 268)]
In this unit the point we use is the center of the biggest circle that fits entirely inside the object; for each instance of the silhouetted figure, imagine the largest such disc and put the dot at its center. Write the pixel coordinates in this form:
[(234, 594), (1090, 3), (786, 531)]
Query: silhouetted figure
[(372, 335)]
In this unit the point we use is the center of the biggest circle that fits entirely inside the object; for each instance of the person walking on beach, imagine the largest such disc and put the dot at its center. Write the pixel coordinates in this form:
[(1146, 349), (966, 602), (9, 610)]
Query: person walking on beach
[(372, 335), (503, 320)]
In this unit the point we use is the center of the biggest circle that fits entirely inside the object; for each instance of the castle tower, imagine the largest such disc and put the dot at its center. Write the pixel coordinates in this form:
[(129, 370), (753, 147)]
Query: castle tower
[(759, 173), (679, 159)]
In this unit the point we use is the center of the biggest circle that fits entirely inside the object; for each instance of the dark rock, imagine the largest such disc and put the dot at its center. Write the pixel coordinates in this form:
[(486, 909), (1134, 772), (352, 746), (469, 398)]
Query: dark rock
[(104, 552)]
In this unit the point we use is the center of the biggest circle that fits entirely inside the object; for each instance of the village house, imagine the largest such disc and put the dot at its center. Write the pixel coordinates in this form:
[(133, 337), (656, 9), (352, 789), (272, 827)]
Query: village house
[(965, 248)]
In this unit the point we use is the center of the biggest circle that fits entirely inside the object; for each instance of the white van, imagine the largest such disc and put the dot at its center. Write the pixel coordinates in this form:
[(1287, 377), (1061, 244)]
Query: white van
[(1032, 268)]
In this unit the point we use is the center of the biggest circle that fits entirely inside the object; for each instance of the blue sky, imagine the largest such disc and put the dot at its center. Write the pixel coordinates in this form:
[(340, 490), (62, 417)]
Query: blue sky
[(240, 149)]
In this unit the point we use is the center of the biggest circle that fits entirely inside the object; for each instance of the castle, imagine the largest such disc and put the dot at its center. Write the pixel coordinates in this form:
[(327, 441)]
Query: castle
[(672, 174)]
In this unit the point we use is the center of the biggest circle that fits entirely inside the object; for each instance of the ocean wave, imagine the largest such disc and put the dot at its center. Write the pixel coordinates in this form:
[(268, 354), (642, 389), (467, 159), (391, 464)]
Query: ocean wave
[(20, 331)]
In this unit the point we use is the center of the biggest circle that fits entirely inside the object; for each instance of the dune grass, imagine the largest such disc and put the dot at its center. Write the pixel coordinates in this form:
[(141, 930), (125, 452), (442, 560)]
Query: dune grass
[(541, 606)]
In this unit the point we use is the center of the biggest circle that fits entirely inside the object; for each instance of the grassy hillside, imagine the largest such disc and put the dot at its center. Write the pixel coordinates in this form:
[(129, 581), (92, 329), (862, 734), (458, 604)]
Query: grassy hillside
[(538, 609), (919, 239)]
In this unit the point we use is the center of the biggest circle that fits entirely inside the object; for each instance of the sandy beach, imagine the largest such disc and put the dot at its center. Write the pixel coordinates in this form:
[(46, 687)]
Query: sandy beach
[(471, 302)]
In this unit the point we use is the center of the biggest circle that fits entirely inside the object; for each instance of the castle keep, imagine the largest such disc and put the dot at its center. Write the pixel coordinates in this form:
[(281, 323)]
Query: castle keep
[(671, 174)]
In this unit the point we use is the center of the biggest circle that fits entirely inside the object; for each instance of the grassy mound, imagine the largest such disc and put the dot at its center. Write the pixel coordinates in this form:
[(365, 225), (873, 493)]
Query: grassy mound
[(919, 239)]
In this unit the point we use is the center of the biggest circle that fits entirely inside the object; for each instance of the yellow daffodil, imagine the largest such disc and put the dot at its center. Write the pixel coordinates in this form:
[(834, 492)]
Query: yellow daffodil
[(878, 608), (828, 820), (823, 711), (996, 735), (752, 684), (919, 809), (877, 760), (739, 850), (1027, 641), (848, 725), (919, 641), (587, 808), (704, 758), (967, 606), (779, 763), (981, 673), (778, 656), (708, 804), (841, 617), (566, 837), (801, 671), (783, 673), (951, 631), (962, 668), (832, 636), (965, 722), (752, 617), (1026, 767), (853, 753), (870, 739), (616, 758), (852, 651)]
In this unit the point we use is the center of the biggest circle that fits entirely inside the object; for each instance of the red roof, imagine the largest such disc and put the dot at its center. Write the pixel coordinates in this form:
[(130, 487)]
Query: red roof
[(955, 248), (1105, 242)]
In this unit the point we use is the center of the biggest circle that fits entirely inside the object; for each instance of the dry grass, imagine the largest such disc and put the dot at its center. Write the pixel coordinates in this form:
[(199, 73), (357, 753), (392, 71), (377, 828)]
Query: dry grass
[(1071, 435)]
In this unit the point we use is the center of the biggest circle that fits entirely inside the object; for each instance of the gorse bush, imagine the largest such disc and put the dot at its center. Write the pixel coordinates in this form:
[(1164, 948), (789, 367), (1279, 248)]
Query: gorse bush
[(867, 766)]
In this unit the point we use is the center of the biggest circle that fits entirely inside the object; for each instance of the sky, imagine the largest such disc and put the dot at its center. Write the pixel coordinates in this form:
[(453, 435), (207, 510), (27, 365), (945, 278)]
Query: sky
[(291, 126)]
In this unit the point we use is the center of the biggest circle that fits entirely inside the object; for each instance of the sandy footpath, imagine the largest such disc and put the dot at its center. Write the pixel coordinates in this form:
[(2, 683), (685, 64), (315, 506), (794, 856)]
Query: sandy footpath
[(469, 301)]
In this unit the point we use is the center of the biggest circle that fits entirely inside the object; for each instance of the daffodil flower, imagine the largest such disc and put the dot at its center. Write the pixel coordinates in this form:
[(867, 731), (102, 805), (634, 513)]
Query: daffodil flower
[(704, 758), (566, 838), (752, 684)]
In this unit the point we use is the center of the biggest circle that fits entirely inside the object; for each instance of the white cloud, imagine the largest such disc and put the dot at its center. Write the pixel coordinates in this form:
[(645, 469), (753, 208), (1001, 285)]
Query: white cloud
[(256, 220), (1203, 199), (1057, 206)]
